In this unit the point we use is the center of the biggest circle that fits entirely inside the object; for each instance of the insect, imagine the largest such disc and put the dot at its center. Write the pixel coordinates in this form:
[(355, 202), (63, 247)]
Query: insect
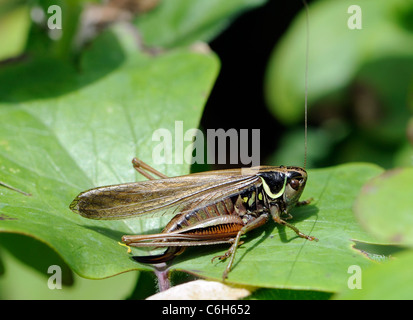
[(213, 207)]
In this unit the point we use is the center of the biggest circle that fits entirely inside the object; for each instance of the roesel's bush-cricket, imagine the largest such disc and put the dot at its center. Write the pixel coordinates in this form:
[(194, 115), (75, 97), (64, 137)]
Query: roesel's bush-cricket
[(213, 207)]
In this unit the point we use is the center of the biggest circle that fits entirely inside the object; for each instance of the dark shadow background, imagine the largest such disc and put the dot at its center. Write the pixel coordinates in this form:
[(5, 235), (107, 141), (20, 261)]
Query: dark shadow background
[(237, 99)]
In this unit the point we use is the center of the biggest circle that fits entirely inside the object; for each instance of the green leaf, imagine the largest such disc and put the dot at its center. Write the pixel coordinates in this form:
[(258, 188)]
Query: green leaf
[(40, 257), (182, 22), (14, 28), (392, 280), (384, 206), (338, 53), (64, 132), (20, 281)]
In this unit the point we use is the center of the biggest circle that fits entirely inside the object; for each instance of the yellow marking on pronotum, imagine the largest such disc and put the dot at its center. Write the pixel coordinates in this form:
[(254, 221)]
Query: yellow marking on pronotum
[(268, 190)]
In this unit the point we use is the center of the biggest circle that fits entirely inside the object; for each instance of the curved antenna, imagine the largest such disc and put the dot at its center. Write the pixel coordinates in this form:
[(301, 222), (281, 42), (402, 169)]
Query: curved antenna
[(307, 49)]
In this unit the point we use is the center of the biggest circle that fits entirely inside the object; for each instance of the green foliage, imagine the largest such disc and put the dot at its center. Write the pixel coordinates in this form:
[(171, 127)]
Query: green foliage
[(187, 21), (384, 209), (391, 280), (26, 275), (337, 54), (85, 137), (73, 118), (361, 115)]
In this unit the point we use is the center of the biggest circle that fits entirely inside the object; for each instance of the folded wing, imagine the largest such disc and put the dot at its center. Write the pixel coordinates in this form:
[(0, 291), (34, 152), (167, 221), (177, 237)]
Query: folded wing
[(161, 196)]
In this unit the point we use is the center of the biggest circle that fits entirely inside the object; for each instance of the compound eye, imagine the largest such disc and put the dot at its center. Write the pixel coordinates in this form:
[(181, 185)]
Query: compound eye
[(295, 184)]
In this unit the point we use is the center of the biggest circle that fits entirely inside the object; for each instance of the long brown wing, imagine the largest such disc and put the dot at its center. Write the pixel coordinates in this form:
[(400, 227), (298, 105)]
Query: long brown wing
[(151, 196)]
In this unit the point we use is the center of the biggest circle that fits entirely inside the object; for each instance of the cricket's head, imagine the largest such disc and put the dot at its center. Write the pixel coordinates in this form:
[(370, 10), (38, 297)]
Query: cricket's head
[(286, 183), (296, 180)]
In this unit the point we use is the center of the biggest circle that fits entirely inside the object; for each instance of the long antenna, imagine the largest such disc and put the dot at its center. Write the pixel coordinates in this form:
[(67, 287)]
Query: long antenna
[(307, 50)]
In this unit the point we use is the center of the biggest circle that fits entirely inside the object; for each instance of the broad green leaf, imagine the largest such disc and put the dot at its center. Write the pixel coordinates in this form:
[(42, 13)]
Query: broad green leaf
[(63, 132), (337, 54), (181, 22), (14, 28), (40, 257), (392, 280), (384, 206), (21, 281)]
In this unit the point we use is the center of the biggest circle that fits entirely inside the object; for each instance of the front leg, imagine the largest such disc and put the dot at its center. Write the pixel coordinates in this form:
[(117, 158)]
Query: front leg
[(275, 214)]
